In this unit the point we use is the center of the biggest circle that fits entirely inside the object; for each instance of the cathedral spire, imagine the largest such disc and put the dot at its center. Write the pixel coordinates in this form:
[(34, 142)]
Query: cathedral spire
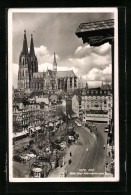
[(32, 51), (25, 46), (54, 63)]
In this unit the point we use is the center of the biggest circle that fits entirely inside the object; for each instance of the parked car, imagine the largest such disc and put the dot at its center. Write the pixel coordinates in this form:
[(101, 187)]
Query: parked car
[(62, 145), (25, 157), (77, 123), (31, 155), (17, 158), (71, 138), (106, 129)]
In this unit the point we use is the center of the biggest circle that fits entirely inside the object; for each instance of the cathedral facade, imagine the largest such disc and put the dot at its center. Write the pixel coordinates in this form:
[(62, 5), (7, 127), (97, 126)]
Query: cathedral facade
[(30, 78)]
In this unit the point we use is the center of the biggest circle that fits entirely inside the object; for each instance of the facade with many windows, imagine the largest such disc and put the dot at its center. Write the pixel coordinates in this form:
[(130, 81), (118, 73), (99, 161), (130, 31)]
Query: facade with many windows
[(97, 103)]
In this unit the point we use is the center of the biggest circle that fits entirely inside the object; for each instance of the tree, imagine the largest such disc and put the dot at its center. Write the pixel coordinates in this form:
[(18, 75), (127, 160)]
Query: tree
[(17, 127)]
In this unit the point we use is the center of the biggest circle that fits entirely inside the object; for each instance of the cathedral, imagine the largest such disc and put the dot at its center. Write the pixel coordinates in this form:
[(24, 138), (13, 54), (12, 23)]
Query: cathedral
[(30, 78)]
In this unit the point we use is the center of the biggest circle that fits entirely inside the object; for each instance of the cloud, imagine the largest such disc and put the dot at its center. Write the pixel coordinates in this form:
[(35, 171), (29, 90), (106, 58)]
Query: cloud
[(83, 51), (91, 63), (103, 50), (87, 50), (97, 74), (44, 55)]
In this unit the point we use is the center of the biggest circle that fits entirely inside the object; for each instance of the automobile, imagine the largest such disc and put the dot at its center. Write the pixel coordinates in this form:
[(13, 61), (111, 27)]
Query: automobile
[(25, 157), (47, 149), (17, 158), (62, 145), (71, 138), (106, 129), (78, 124), (87, 149), (31, 155)]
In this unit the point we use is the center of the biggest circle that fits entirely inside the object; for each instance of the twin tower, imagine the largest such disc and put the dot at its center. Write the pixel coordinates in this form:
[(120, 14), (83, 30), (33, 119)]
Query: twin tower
[(28, 64)]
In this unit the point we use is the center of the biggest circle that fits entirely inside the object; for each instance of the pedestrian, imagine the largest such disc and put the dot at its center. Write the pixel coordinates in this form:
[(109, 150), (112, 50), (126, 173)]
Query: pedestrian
[(66, 173), (104, 147), (69, 161), (70, 154), (97, 134)]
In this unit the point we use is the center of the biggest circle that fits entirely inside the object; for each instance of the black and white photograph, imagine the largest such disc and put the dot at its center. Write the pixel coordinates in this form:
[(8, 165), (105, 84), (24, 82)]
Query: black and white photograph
[(63, 95)]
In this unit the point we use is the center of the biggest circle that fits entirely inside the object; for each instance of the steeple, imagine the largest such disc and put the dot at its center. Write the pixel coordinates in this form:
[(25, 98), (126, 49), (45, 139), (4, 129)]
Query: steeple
[(32, 51), (54, 63), (25, 46)]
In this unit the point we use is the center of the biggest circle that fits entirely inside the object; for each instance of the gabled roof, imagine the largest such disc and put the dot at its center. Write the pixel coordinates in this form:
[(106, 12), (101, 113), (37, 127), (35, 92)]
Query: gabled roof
[(67, 73)]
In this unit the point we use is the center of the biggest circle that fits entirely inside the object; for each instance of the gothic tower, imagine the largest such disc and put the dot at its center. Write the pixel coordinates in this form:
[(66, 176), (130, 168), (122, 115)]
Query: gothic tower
[(54, 63), (23, 73), (33, 62)]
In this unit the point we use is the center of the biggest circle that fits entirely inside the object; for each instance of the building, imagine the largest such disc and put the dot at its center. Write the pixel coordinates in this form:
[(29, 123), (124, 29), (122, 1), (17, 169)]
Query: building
[(30, 78), (75, 106), (28, 64), (96, 105), (26, 114)]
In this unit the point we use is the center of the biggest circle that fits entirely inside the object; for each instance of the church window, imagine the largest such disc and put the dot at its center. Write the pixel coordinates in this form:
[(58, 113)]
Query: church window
[(70, 82)]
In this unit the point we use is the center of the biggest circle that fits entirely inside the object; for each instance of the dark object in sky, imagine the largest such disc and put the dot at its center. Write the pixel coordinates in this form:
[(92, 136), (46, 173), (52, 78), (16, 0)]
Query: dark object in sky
[(96, 33)]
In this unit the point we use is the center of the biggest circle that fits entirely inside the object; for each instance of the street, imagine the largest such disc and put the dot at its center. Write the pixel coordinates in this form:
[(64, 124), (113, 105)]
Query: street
[(92, 160)]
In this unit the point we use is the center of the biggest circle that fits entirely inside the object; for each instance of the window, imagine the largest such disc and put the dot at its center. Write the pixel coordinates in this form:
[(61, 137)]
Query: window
[(70, 82)]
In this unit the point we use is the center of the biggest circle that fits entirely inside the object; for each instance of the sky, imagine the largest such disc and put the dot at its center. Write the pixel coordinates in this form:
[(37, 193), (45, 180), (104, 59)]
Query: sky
[(55, 32)]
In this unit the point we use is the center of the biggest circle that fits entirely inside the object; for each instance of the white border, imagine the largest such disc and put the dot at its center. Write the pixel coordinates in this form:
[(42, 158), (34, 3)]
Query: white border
[(116, 93)]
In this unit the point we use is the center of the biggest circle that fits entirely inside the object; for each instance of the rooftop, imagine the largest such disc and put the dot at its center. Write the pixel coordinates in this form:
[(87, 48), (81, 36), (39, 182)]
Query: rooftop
[(66, 73), (93, 26), (96, 33), (38, 74)]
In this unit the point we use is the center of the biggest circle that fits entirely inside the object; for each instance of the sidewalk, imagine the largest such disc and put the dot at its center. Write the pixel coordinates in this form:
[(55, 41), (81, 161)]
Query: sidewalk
[(92, 134), (58, 170)]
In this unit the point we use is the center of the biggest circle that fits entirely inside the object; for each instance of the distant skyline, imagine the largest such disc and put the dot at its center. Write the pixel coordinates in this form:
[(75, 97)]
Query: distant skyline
[(55, 32)]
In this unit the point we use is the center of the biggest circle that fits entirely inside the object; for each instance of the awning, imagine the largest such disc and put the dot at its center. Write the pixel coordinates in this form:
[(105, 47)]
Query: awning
[(38, 128), (50, 124), (19, 134)]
